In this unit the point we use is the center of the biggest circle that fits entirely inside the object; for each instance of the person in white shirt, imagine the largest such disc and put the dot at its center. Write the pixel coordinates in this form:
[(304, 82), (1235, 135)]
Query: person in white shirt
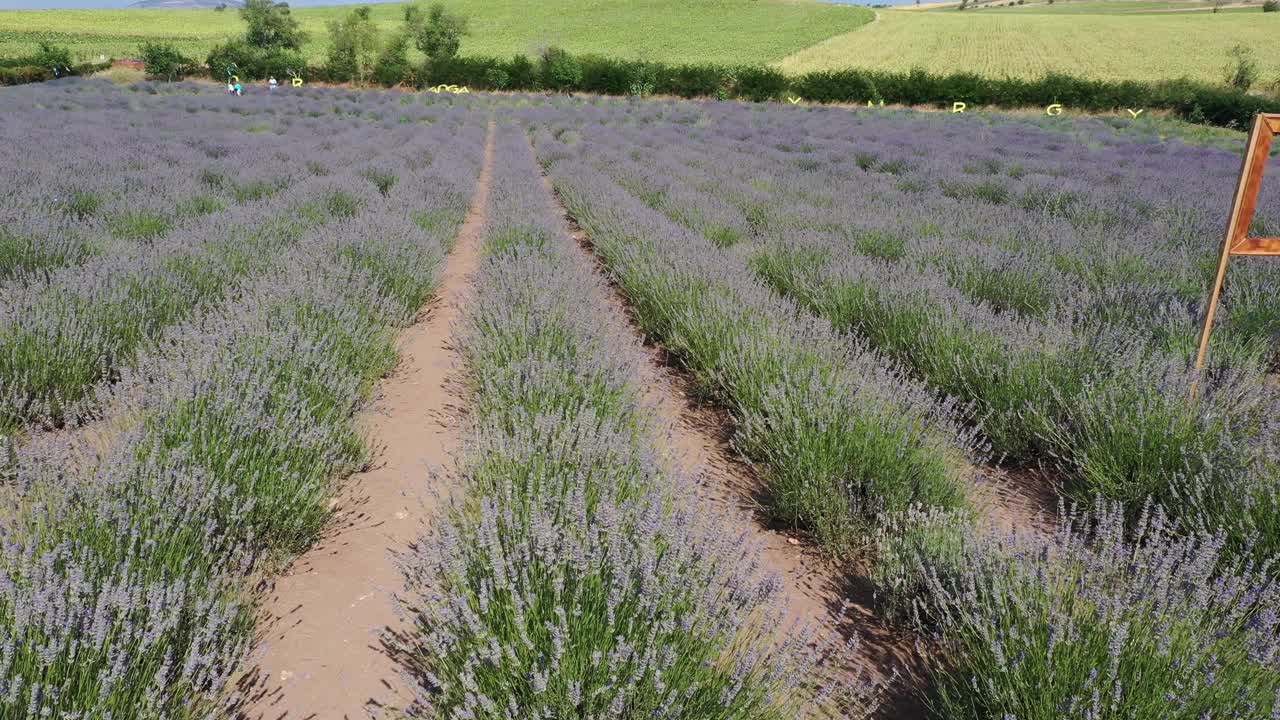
[(272, 84)]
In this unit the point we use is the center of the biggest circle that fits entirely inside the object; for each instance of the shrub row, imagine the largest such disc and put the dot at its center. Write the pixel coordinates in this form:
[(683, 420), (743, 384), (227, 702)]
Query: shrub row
[(1102, 618), (46, 63), (561, 71), (1194, 101), (1190, 100), (558, 70), (575, 578), (21, 74), (163, 61), (249, 62), (125, 590), (844, 437)]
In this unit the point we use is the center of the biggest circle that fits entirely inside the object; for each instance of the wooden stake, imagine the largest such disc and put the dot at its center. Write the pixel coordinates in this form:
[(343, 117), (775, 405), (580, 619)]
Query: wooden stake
[(1237, 241)]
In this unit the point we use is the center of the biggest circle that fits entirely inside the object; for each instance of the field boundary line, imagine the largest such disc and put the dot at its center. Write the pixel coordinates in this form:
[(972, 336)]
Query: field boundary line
[(321, 654), (782, 61)]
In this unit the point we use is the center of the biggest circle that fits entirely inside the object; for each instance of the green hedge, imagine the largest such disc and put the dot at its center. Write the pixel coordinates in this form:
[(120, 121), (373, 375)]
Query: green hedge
[(163, 61), (253, 63), (47, 63), (1193, 101), (13, 74)]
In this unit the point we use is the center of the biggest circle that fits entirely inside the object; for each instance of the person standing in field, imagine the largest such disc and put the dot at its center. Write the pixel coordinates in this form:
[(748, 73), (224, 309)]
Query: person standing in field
[(231, 89), (272, 83)]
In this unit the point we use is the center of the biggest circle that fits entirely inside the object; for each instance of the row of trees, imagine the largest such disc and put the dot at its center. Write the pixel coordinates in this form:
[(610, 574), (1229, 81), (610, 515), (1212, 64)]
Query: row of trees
[(273, 40), (357, 53)]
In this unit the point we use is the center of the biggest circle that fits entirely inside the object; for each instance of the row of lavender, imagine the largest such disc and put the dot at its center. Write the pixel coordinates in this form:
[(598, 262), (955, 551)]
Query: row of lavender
[(575, 576), (845, 436), (1081, 382), (1156, 618), (1056, 254), (87, 178), (1022, 219), (128, 572), (65, 332)]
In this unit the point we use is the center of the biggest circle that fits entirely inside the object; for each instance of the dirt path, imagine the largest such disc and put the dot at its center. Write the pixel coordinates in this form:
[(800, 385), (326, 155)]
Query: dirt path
[(320, 656), (814, 589), (1021, 500)]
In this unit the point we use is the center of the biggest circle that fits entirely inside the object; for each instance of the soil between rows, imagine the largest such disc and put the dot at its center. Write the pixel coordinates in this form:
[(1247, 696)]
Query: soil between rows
[(320, 656), (815, 589), (818, 590)]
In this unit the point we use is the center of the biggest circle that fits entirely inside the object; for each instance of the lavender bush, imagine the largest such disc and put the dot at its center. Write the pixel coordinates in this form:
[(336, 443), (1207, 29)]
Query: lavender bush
[(579, 578), (875, 296), (1099, 620), (128, 573), (93, 318), (1066, 361), (828, 418)]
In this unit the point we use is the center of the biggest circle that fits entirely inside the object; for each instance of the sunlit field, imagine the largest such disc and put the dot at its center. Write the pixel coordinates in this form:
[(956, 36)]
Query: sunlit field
[(1029, 42), (934, 369)]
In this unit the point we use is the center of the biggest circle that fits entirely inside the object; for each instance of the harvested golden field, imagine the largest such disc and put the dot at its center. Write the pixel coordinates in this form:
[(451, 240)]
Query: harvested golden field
[(1026, 43)]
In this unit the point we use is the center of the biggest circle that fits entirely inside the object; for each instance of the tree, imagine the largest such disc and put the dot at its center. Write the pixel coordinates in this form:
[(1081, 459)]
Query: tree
[(439, 35), (392, 67), (252, 63), (560, 70), (163, 61), (51, 56), (271, 27), (1242, 70), (353, 46)]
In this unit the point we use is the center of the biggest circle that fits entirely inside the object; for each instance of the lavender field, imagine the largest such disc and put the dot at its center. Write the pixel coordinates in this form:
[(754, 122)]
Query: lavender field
[(945, 360)]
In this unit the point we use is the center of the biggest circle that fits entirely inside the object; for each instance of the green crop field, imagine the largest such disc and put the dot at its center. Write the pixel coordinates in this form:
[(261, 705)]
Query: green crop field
[(1104, 39), (1111, 7), (729, 31), (1028, 42)]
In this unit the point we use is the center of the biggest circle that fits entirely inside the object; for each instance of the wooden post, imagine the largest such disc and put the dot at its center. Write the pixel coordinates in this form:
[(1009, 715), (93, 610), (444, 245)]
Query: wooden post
[(1237, 241)]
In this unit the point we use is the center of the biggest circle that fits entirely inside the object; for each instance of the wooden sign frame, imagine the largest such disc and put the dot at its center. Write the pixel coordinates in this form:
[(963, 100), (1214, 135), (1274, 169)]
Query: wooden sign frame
[(1265, 128)]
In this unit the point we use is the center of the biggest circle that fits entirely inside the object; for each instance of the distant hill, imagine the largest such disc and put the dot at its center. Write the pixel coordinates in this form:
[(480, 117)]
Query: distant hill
[(185, 3)]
